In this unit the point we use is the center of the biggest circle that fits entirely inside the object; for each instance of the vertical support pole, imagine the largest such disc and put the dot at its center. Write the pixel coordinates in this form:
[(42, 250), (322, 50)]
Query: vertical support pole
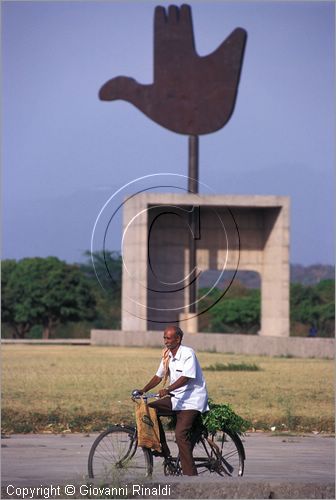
[(193, 164), (192, 188)]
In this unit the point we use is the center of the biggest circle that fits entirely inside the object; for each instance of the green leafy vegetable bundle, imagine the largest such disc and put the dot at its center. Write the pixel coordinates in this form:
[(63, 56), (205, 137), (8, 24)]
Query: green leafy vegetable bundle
[(222, 415)]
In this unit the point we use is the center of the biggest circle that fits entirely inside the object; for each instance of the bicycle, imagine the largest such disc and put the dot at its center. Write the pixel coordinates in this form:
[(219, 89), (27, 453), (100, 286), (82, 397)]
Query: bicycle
[(116, 450)]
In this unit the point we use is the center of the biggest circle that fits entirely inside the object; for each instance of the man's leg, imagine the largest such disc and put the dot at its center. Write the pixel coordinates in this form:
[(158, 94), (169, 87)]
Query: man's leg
[(185, 419), (163, 408)]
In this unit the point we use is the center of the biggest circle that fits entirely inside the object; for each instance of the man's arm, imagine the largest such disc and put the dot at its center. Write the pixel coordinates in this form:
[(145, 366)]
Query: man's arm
[(152, 383), (176, 385)]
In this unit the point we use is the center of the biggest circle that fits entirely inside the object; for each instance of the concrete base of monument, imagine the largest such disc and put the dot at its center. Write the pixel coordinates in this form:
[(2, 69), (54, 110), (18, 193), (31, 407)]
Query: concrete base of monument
[(300, 347)]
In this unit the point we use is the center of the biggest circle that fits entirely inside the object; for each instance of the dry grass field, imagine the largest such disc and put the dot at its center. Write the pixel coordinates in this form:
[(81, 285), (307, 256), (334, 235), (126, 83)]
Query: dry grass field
[(82, 388)]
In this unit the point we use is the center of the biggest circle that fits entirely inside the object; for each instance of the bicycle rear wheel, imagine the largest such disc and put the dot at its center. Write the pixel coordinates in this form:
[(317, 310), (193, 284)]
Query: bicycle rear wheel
[(222, 453), (115, 453)]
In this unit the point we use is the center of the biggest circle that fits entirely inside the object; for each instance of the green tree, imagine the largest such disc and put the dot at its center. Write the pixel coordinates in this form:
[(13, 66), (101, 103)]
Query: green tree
[(238, 314), (237, 311), (7, 267), (326, 291), (313, 305), (46, 292), (104, 270)]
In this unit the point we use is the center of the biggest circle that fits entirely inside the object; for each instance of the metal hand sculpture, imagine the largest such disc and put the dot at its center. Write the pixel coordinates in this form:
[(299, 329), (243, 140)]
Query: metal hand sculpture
[(191, 94)]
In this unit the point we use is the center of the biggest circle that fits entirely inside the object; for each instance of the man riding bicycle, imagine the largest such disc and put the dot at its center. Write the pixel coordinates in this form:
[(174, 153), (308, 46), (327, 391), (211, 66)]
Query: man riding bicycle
[(186, 396)]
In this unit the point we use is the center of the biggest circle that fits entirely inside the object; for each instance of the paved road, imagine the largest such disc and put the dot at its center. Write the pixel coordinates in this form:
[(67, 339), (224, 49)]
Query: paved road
[(272, 461)]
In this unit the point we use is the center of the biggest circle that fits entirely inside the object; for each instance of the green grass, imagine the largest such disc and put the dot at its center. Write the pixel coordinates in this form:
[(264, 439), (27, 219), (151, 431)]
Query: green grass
[(85, 388), (231, 367)]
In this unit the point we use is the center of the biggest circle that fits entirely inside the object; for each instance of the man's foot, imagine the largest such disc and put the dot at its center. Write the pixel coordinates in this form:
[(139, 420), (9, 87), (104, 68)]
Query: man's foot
[(158, 453)]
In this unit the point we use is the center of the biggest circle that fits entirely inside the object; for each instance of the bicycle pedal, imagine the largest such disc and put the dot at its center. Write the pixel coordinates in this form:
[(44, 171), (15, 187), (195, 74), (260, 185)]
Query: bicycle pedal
[(158, 454)]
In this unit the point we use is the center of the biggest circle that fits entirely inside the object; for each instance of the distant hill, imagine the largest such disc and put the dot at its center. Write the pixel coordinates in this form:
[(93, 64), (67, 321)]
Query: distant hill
[(306, 275), (311, 275)]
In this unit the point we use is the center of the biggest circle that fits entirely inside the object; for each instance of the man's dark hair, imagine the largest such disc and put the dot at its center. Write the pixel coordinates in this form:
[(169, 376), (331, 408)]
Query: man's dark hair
[(178, 332)]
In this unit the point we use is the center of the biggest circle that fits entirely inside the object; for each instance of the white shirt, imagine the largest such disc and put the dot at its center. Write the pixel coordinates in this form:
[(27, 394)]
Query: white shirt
[(193, 395)]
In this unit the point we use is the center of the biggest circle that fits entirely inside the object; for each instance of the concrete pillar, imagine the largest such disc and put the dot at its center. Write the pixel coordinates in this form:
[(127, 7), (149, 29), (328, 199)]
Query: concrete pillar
[(188, 322), (134, 270), (275, 274)]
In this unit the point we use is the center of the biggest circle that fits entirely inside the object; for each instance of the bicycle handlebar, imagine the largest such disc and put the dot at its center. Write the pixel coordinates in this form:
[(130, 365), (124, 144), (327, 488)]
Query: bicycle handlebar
[(137, 395)]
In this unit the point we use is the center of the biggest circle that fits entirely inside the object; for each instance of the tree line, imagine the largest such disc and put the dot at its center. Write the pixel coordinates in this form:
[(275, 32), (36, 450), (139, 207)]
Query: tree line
[(45, 297), (40, 295), (312, 308)]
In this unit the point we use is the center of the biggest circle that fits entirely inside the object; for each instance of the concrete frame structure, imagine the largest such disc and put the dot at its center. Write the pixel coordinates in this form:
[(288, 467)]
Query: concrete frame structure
[(235, 232)]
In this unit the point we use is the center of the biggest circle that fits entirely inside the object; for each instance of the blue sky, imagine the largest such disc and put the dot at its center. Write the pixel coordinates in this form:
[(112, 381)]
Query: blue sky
[(65, 152)]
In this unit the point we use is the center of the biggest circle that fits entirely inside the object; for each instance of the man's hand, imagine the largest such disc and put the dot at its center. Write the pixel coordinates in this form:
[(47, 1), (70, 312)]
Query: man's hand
[(181, 381), (163, 393), (137, 392)]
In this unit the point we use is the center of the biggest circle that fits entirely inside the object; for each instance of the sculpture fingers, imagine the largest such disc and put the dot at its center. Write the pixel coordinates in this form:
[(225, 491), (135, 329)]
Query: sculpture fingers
[(160, 23), (173, 27), (186, 27), (173, 15), (173, 40)]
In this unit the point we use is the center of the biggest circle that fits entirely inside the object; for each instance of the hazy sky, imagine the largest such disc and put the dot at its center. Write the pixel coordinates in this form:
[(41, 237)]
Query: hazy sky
[(65, 152)]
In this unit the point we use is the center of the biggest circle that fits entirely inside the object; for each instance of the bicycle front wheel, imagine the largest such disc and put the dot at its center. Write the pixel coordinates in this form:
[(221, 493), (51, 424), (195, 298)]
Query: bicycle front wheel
[(115, 454), (221, 453)]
